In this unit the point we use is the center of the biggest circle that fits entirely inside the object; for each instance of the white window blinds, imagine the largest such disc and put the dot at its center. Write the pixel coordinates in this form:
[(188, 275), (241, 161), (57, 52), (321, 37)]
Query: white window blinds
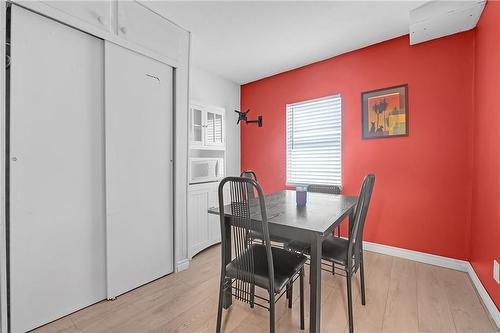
[(313, 142)]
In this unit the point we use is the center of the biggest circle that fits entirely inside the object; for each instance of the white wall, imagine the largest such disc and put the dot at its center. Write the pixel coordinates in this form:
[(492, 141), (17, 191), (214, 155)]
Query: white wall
[(211, 89)]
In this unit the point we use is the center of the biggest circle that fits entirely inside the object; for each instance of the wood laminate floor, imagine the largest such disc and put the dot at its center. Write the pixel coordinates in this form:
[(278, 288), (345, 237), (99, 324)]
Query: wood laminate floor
[(402, 296)]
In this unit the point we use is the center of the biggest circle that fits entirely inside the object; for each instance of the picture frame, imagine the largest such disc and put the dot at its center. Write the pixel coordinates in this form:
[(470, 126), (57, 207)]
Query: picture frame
[(384, 112)]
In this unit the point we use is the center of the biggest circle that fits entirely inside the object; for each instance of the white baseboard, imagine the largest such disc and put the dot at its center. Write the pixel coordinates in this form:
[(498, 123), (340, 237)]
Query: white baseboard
[(426, 258), (488, 302), (182, 265)]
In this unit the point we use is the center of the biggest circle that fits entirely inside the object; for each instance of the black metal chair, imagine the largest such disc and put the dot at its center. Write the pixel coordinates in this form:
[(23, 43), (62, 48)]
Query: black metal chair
[(273, 269), (249, 174), (255, 235), (347, 253), (329, 189)]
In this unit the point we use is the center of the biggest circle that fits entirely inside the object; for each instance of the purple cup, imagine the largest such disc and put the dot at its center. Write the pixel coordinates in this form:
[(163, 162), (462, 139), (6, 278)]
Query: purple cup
[(301, 195)]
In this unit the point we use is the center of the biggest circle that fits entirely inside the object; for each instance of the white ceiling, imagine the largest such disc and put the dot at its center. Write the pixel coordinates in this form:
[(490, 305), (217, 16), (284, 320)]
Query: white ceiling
[(247, 41)]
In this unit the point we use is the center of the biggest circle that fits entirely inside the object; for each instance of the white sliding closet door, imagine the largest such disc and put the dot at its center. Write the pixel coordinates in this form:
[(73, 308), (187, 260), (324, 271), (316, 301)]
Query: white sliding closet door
[(139, 185), (57, 226)]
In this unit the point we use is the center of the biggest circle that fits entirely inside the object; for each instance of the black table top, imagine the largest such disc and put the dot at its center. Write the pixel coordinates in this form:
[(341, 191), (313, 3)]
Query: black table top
[(319, 215)]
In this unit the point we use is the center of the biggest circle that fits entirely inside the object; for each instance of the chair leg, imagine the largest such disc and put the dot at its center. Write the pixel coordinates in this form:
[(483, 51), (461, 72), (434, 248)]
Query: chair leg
[(252, 295), (290, 295), (219, 309), (362, 277), (271, 312), (302, 298), (333, 268), (349, 302)]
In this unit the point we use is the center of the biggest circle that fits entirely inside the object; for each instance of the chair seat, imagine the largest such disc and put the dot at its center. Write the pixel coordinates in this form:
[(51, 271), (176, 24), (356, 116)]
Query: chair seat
[(286, 265), (333, 249), (274, 238)]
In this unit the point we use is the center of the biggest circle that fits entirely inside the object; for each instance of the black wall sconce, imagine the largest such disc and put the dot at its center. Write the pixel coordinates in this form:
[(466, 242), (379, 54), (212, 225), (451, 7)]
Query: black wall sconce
[(242, 116)]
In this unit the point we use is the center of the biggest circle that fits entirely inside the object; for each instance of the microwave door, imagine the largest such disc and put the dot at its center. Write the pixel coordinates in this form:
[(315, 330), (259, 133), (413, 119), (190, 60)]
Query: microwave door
[(204, 171), (199, 172), (217, 168), (219, 172)]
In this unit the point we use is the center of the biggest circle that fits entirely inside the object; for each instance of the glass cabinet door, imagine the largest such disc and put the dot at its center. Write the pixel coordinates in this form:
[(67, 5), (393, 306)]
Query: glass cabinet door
[(218, 138), (214, 129), (196, 128), (210, 128)]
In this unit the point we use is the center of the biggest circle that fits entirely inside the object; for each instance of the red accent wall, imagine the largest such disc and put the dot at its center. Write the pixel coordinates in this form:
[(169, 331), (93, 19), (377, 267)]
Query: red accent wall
[(422, 194), (485, 226)]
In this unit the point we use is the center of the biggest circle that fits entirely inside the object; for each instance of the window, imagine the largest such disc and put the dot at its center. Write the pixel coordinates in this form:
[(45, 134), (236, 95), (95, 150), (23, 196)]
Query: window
[(313, 142)]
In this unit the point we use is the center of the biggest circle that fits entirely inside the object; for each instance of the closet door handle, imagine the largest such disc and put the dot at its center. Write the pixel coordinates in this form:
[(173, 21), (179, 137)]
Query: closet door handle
[(154, 77), (123, 30)]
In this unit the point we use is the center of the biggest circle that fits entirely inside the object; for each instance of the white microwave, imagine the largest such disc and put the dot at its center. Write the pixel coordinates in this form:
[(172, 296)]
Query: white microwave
[(205, 169)]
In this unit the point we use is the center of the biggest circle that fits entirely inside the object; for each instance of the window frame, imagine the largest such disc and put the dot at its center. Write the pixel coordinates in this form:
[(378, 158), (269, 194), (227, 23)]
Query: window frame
[(287, 105)]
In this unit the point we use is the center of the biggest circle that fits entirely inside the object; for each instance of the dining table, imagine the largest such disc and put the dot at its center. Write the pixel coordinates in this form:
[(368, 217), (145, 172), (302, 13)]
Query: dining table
[(309, 224)]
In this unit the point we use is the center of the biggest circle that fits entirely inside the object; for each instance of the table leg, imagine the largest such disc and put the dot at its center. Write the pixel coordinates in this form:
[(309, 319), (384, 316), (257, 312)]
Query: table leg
[(315, 276), (228, 299)]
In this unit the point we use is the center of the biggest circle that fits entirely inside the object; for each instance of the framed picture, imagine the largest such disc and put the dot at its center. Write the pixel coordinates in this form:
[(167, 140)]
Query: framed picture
[(384, 112)]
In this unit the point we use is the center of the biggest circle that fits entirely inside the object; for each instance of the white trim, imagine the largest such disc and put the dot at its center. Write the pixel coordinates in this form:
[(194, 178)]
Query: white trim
[(319, 99), (182, 265), (3, 233), (426, 258), (456, 264), (292, 169), (488, 302)]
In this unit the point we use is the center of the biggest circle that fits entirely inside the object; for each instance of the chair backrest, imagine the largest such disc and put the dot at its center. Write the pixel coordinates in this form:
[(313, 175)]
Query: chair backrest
[(356, 234), (249, 174), (245, 214), (330, 189)]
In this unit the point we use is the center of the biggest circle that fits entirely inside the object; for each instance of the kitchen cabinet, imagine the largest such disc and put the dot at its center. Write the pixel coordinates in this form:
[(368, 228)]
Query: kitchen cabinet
[(207, 127), (196, 123), (203, 228), (214, 127)]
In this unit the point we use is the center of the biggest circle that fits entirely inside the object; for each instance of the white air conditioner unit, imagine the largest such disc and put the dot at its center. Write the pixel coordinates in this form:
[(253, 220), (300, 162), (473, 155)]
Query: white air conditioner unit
[(437, 19)]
